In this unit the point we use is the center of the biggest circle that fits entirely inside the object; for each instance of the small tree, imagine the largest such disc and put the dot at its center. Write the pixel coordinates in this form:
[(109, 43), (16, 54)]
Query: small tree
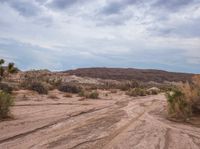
[(10, 68), (1, 68), (5, 99), (5, 102)]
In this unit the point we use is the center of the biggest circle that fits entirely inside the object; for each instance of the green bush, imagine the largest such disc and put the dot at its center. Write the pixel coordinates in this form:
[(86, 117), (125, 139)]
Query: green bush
[(6, 88), (125, 86), (35, 85), (178, 107), (93, 95), (87, 94), (54, 82), (5, 102), (38, 87), (81, 93), (153, 91), (137, 92), (69, 88)]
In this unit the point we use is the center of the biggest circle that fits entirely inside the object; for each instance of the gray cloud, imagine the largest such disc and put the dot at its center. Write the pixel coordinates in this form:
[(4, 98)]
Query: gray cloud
[(115, 7), (62, 4), (63, 34), (188, 29), (41, 1), (24, 8), (172, 5)]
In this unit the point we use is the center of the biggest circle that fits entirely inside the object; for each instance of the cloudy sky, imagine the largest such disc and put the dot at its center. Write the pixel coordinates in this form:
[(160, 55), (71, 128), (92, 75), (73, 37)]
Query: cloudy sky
[(68, 34)]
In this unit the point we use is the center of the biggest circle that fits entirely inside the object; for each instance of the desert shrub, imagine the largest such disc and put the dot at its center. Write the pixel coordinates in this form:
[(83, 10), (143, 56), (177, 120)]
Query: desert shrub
[(88, 94), (93, 95), (153, 91), (178, 106), (6, 70), (31, 84), (124, 86), (196, 88), (70, 88), (167, 87), (91, 87), (137, 92), (184, 100), (6, 88), (55, 82), (5, 102), (38, 87), (109, 84), (35, 85), (81, 93)]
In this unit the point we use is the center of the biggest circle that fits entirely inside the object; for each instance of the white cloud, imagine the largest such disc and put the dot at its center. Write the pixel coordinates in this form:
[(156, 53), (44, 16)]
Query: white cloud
[(133, 32)]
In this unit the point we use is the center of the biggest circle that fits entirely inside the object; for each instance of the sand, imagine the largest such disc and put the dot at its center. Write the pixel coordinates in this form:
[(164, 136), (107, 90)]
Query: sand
[(116, 121)]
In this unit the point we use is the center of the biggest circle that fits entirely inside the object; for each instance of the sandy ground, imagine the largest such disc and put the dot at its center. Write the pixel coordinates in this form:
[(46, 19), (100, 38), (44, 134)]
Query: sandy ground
[(115, 121)]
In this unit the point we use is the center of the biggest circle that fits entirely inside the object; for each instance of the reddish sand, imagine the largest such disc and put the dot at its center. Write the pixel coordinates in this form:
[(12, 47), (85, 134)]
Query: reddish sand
[(115, 121)]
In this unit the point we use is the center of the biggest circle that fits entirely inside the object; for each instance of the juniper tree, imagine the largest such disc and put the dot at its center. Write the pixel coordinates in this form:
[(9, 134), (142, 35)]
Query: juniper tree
[(10, 68)]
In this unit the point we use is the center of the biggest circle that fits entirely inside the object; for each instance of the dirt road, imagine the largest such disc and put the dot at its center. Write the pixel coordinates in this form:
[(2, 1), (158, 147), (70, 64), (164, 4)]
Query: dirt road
[(115, 121)]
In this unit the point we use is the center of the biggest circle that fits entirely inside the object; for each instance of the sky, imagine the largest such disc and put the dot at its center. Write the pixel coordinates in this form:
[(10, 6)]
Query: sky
[(68, 34)]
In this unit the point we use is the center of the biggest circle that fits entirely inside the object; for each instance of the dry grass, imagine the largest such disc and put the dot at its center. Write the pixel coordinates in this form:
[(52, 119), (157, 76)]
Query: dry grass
[(184, 100), (5, 102), (178, 107), (89, 94), (136, 92), (93, 95), (68, 95), (82, 99), (69, 88), (52, 96)]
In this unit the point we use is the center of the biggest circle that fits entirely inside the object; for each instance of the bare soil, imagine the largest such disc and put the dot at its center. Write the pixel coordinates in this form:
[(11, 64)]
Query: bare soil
[(115, 121)]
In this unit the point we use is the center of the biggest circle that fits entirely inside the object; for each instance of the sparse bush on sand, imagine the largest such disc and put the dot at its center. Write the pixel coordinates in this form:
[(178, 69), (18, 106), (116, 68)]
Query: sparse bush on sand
[(6, 88), (136, 92), (89, 94), (54, 82), (69, 88), (5, 98), (5, 102), (38, 87), (153, 91), (35, 85), (184, 100), (93, 95), (82, 93), (9, 69), (125, 86), (178, 107)]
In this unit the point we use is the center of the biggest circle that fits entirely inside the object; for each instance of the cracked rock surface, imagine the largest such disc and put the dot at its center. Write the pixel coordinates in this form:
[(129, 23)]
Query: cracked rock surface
[(116, 121)]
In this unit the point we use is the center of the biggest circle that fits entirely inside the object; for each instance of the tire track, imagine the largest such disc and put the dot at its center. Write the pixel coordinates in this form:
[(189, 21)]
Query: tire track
[(123, 128), (50, 124), (50, 104)]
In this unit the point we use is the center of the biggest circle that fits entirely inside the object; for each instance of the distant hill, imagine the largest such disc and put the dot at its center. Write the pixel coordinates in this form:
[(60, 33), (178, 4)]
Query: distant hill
[(144, 75)]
